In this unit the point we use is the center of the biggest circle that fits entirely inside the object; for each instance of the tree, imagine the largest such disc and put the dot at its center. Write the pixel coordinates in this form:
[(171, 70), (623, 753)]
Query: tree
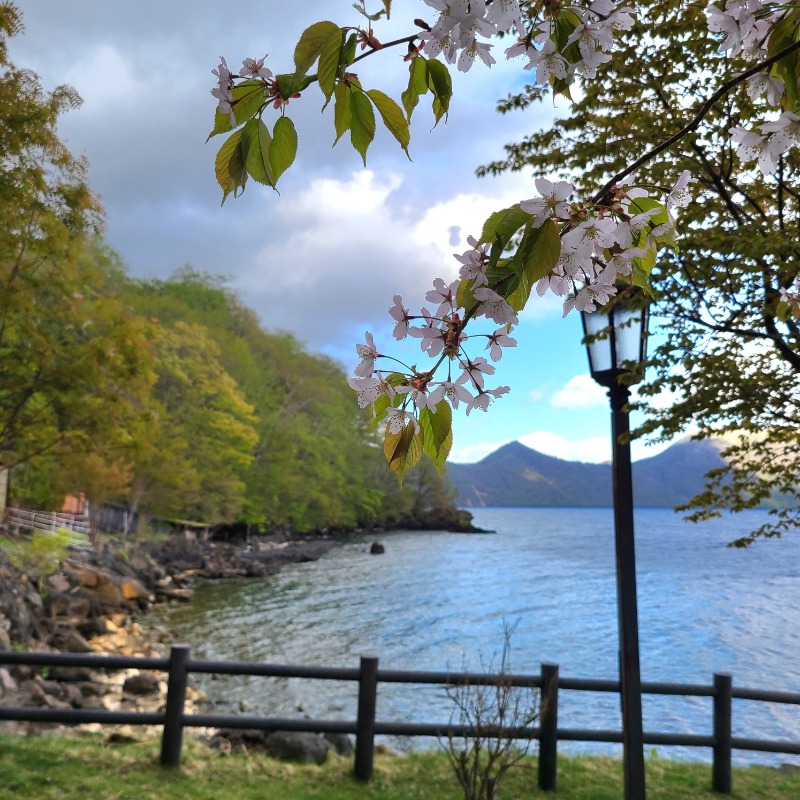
[(727, 353), (191, 457), (312, 465), (70, 355), (614, 239)]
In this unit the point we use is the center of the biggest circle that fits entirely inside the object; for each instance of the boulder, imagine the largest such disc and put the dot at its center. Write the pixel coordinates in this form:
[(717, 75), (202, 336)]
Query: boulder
[(61, 604), (142, 684), (70, 674), (69, 641), (307, 748), (341, 743), (377, 549)]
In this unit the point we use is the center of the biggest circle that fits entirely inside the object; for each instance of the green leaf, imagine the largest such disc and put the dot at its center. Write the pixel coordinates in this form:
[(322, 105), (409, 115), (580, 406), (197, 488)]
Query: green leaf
[(292, 83), (417, 84), (641, 204), (248, 98), (500, 227), (348, 51), (437, 430), (311, 43), (256, 140), (362, 124), (565, 23), (504, 224), (392, 116), (464, 297), (329, 60), (536, 256), (785, 33), (342, 116), (442, 87), (283, 147), (230, 165), (403, 450)]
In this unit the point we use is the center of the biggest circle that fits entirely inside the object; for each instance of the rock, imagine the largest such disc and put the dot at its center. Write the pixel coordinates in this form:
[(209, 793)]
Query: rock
[(70, 674), (141, 684), (94, 626), (92, 689), (135, 590), (307, 748), (377, 549), (69, 605), (5, 640), (6, 681), (341, 743), (58, 583), (173, 593), (69, 641)]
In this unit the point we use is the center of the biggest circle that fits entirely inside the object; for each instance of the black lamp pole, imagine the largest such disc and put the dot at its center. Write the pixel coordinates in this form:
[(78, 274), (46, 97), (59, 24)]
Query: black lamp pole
[(623, 329)]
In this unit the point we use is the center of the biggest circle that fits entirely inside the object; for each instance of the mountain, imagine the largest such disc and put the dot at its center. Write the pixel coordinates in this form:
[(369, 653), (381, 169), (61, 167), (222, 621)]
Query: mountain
[(515, 475)]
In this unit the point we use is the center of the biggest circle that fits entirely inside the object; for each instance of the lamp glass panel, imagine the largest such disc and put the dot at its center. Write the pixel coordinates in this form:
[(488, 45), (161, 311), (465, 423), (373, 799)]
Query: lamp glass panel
[(600, 348), (628, 338)]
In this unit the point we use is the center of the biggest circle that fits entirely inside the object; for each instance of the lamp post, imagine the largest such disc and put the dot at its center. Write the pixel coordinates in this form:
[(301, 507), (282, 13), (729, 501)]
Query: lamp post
[(615, 339)]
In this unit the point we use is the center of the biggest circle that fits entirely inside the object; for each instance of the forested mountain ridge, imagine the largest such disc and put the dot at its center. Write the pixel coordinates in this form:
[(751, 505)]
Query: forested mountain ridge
[(515, 475), (220, 421)]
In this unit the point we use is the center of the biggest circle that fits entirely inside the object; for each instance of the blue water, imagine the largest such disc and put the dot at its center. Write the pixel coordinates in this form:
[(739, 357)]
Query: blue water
[(439, 600)]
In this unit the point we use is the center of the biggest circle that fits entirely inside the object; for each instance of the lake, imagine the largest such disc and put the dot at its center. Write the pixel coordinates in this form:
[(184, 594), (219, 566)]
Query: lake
[(439, 600)]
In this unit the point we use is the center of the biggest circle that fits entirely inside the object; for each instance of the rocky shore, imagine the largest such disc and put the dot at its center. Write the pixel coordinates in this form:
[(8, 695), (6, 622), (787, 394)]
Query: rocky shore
[(91, 604)]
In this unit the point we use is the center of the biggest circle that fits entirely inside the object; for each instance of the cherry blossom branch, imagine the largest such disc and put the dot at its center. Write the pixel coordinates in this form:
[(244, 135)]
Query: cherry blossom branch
[(726, 87)]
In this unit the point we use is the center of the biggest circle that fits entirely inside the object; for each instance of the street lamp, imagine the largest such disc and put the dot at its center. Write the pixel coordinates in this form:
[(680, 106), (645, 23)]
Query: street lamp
[(615, 339)]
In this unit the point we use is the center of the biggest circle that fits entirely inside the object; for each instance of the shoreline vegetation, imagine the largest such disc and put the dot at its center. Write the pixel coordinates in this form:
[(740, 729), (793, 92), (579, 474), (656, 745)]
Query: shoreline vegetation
[(72, 768), (91, 600)]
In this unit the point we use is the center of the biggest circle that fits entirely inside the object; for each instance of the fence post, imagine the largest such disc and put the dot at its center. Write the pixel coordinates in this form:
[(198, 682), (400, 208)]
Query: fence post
[(548, 729), (723, 685), (172, 736), (365, 724)]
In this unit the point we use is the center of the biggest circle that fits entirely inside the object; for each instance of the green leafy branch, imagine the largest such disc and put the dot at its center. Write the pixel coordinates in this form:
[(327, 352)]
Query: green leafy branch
[(253, 151)]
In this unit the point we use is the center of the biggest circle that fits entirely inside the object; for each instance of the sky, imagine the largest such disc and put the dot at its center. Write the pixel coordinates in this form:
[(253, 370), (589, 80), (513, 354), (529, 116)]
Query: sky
[(323, 258)]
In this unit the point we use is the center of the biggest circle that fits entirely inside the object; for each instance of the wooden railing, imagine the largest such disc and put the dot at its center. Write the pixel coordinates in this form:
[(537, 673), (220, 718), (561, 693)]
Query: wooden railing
[(17, 519), (179, 665)]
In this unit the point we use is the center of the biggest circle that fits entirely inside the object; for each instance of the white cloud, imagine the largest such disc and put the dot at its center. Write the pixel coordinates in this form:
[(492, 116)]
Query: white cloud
[(579, 392), (470, 453), (595, 449)]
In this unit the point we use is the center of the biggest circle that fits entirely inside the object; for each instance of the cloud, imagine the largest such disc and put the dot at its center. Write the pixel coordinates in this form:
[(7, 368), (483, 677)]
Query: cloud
[(579, 392), (470, 453), (596, 449)]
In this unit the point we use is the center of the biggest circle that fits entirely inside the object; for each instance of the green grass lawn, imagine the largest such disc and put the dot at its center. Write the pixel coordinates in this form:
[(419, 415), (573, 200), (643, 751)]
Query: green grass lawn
[(72, 768)]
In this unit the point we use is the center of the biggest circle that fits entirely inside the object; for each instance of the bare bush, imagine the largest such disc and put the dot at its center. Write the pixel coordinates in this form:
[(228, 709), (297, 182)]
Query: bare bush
[(490, 723)]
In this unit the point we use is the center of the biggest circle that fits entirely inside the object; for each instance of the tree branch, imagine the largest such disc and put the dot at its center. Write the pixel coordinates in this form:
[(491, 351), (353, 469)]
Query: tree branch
[(698, 118)]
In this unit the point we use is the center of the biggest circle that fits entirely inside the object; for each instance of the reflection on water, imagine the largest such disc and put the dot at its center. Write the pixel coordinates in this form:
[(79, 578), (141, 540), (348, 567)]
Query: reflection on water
[(438, 600)]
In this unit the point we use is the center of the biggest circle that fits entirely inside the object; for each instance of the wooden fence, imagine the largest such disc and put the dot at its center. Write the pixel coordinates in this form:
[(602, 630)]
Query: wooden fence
[(17, 519), (179, 665)]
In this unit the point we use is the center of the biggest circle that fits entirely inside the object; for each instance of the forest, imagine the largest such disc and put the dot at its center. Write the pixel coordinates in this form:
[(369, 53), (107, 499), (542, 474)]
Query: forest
[(168, 396)]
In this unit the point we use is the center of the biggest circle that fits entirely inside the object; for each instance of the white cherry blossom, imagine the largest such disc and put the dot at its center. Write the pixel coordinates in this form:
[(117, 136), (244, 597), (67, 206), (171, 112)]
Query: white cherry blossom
[(454, 393), (444, 295), (397, 419), (474, 370), (548, 62), (367, 353), (252, 68), (399, 313), (370, 389), (494, 306), (552, 201), (497, 341)]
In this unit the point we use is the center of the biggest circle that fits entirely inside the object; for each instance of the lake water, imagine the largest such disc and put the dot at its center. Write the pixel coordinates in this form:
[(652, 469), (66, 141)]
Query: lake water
[(439, 600)]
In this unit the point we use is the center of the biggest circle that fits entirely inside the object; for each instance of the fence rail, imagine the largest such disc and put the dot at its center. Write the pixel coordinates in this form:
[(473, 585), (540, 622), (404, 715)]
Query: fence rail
[(16, 519), (179, 665)]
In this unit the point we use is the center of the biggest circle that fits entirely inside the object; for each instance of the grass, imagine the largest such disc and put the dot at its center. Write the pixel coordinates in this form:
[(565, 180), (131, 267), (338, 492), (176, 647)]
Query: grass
[(72, 768)]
